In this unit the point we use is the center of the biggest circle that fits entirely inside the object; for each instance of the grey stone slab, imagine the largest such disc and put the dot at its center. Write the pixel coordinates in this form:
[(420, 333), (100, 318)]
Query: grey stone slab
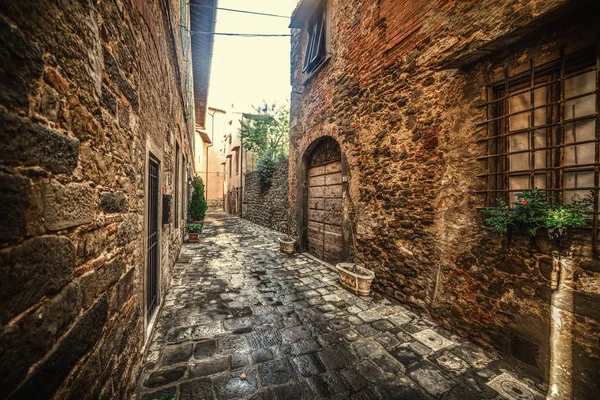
[(196, 389), (209, 367), (338, 323), (276, 372), (329, 384), (259, 340), (337, 356), (368, 349), (356, 380), (432, 379), (308, 365), (176, 354), (205, 349), (239, 360), (305, 346), (299, 391), (406, 356), (262, 355), (301, 332), (231, 386), (371, 372), (382, 325), (366, 330), (389, 364), (164, 377)]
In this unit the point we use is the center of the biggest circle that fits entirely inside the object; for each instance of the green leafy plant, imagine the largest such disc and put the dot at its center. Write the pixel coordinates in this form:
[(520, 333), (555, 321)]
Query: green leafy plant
[(198, 206), (194, 228), (533, 210), (264, 169), (266, 131), (164, 398)]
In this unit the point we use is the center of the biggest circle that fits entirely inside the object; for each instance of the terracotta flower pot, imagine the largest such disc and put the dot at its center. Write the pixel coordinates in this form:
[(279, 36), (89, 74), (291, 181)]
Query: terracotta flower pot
[(193, 237), (286, 245), (356, 278)]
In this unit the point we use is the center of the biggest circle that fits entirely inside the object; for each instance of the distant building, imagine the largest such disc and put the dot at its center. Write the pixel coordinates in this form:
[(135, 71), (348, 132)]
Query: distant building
[(210, 147)]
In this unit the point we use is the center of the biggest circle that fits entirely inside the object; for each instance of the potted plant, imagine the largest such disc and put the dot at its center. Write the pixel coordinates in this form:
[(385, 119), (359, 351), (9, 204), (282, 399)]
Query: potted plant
[(193, 232), (356, 278), (287, 244), (198, 206), (534, 210)]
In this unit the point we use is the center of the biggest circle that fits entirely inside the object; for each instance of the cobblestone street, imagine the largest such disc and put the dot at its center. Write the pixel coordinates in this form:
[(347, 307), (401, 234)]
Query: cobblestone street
[(242, 320)]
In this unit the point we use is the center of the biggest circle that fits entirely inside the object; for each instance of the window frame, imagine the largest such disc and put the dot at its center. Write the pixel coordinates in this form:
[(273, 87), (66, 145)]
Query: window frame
[(317, 22), (552, 76)]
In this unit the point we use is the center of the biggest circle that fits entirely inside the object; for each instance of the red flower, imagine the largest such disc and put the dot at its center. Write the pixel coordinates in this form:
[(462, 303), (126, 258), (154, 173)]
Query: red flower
[(523, 201)]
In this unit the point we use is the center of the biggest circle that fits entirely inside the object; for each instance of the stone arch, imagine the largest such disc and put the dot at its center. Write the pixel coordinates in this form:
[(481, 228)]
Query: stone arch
[(323, 221)]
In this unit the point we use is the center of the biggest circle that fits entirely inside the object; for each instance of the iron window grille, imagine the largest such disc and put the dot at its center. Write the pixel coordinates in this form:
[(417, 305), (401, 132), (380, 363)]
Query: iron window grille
[(543, 130), (316, 46)]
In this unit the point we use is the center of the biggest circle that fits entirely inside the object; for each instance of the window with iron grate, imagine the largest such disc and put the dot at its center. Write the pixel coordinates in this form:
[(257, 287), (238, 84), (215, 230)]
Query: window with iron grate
[(543, 132)]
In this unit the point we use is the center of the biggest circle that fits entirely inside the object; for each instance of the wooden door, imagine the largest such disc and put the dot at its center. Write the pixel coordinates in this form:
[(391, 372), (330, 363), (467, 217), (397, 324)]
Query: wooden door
[(325, 206)]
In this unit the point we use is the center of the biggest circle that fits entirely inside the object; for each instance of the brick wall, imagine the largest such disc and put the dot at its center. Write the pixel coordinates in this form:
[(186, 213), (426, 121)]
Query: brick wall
[(407, 125), (268, 206), (80, 111)]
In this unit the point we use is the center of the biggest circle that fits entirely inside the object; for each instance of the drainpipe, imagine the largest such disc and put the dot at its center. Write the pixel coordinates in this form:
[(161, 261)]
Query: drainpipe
[(241, 176), (212, 141), (561, 328)]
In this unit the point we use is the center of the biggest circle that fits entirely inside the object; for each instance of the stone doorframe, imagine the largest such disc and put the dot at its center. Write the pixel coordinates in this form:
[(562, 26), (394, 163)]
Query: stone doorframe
[(302, 179)]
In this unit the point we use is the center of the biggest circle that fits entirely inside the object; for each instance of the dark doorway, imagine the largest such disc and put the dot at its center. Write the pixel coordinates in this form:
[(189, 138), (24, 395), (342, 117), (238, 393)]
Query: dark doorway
[(153, 266)]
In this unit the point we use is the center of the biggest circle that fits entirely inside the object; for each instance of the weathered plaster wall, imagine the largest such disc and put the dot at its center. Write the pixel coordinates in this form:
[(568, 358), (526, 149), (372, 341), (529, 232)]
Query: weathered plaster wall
[(407, 127), (268, 206), (87, 90)]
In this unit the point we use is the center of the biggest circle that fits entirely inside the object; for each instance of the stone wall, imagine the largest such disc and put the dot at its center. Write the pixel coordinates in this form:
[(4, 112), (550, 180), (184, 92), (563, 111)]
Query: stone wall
[(405, 114), (268, 206), (88, 89)]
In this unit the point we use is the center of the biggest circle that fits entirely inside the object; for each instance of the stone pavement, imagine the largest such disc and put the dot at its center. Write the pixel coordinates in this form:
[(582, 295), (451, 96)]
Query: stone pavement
[(243, 321)]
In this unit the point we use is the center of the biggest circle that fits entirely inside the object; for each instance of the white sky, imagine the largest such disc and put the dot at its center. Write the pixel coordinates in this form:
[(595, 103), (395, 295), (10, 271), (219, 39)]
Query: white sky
[(246, 71)]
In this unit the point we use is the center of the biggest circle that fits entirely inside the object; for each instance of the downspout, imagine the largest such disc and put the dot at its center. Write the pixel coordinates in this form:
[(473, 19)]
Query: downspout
[(212, 141), (241, 176)]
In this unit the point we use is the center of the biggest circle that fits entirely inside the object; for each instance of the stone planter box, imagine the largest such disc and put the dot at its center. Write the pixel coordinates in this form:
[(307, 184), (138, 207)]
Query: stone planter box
[(356, 278), (287, 245), (193, 237)]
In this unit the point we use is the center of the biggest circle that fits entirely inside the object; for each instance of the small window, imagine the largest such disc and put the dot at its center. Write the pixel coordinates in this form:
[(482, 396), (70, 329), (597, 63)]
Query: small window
[(316, 45)]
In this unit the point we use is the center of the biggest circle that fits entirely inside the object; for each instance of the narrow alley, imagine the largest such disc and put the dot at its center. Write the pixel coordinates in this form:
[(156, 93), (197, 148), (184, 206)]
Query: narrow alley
[(243, 320)]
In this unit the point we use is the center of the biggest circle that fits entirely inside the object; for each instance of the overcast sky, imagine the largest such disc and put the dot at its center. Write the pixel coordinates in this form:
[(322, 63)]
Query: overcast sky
[(247, 70)]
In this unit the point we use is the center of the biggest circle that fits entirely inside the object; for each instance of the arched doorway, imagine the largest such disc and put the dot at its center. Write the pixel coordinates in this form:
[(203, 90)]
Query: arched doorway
[(324, 205)]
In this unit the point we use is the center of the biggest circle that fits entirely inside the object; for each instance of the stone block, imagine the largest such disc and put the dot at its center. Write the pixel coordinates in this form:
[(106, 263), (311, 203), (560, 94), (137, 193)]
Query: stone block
[(52, 371), (15, 198), (20, 64), (33, 337), (96, 283), (123, 291), (113, 202), (160, 378), (66, 206), (196, 389), (31, 270), (23, 143), (277, 372)]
